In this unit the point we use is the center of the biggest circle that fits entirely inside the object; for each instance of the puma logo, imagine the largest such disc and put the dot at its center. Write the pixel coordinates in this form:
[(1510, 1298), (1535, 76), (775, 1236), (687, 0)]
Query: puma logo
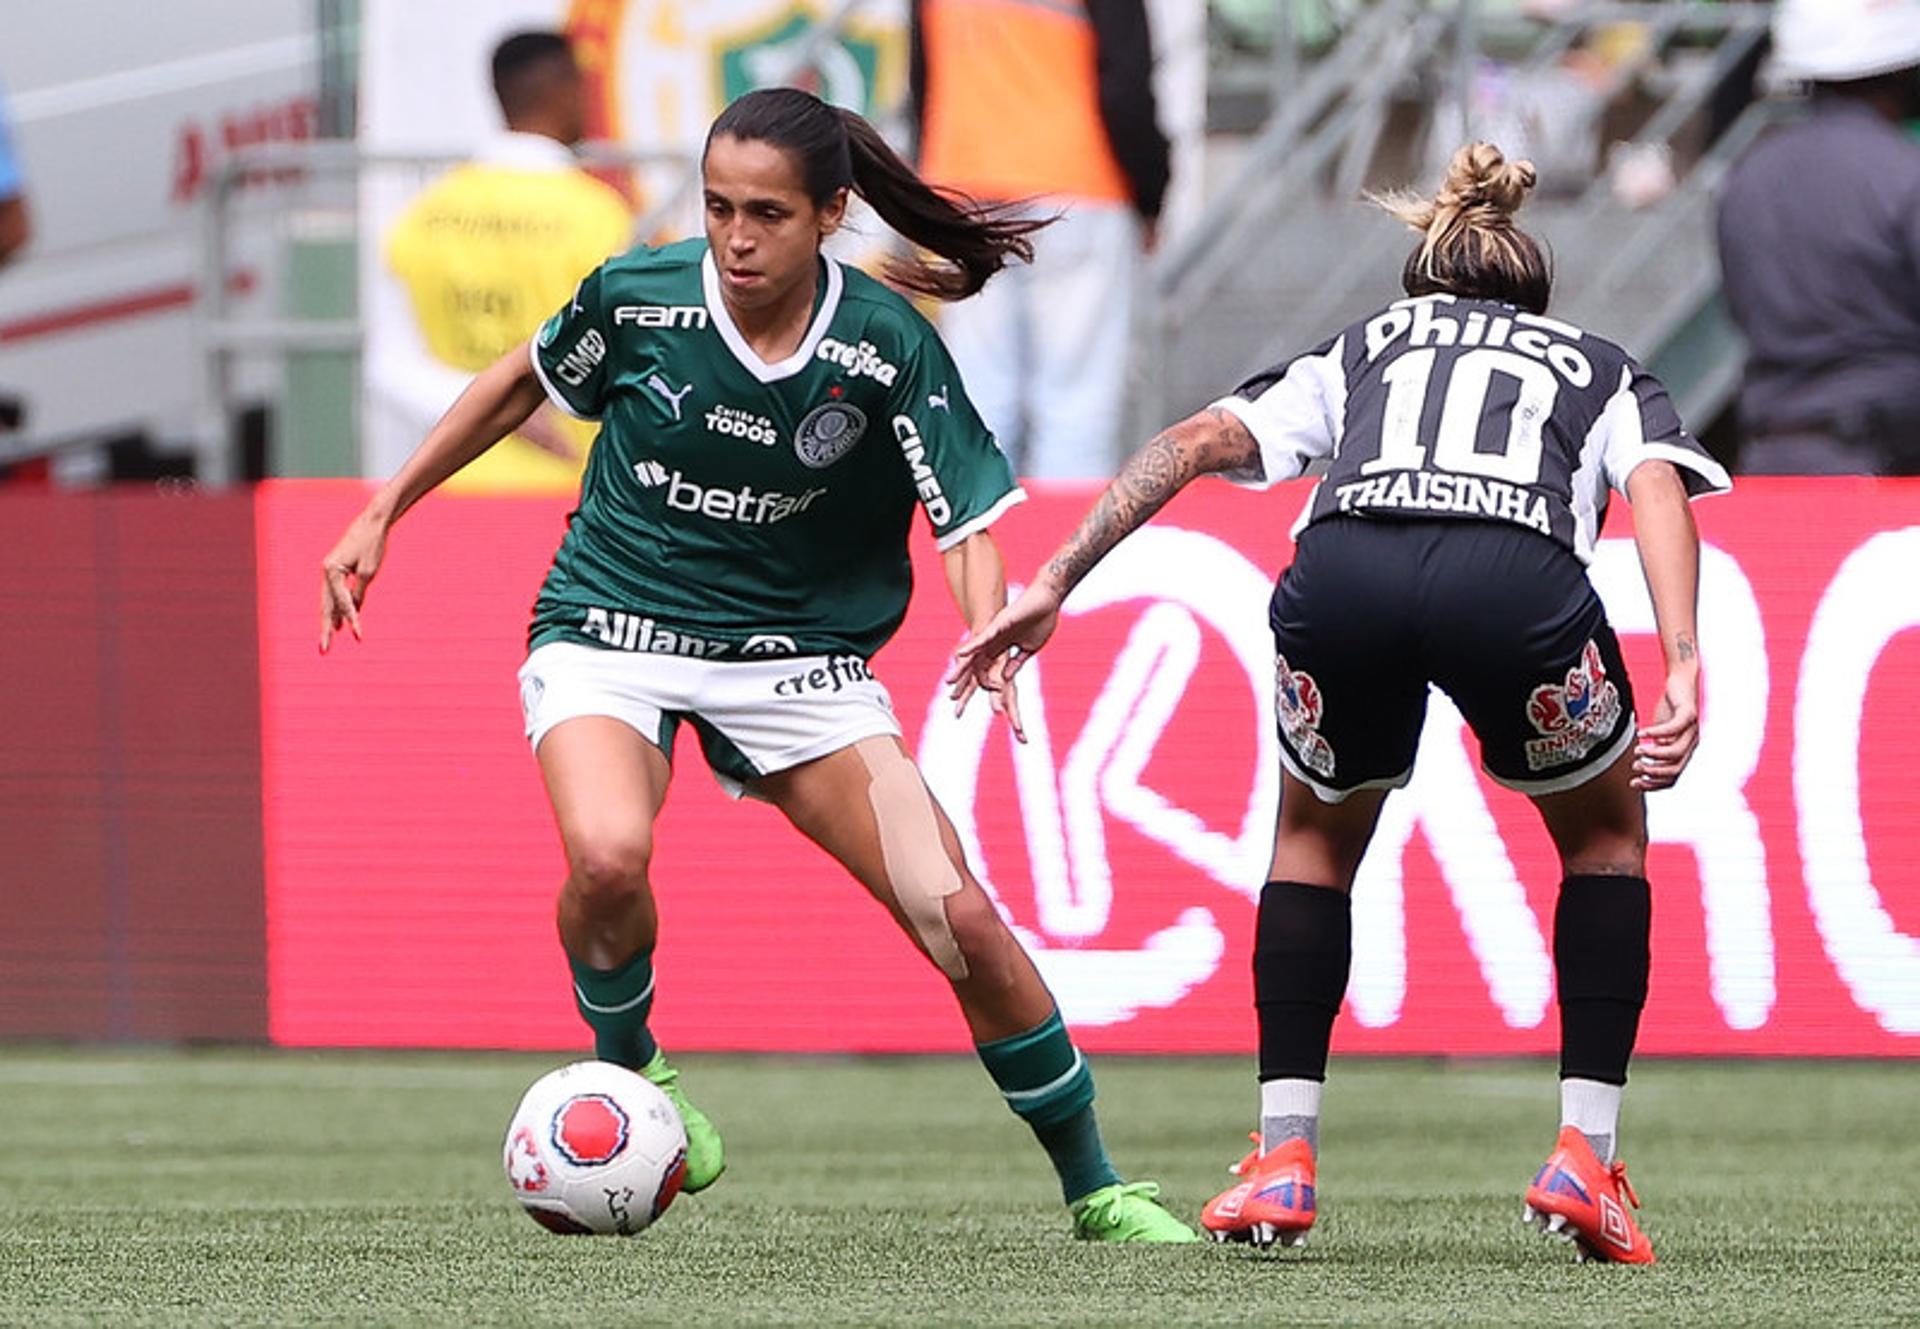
[(938, 400), (667, 394)]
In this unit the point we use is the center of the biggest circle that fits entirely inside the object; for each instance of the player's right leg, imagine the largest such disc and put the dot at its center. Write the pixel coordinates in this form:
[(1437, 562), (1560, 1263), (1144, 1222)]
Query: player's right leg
[(1303, 949), (599, 745), (1350, 706)]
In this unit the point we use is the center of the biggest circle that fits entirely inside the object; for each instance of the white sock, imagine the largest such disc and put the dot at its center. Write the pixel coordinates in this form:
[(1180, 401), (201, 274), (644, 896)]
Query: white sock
[(1289, 1110), (1593, 1109)]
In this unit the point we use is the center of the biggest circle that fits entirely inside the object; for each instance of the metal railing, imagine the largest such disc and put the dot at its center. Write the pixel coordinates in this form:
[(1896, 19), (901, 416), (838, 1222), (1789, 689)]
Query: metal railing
[(334, 174), (1231, 289)]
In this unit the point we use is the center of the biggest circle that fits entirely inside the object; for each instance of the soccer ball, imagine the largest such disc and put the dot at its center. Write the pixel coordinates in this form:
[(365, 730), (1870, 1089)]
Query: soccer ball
[(595, 1149)]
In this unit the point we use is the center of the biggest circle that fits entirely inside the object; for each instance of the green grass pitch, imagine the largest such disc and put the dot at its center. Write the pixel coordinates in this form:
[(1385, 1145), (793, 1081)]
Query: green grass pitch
[(290, 1188)]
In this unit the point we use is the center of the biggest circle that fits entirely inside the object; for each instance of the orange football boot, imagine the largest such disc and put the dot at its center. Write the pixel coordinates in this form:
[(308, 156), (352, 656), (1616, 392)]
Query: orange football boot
[(1274, 1200), (1579, 1199)]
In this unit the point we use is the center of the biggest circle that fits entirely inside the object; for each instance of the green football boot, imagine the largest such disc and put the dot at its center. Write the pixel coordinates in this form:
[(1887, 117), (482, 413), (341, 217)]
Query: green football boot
[(1127, 1212), (706, 1156)]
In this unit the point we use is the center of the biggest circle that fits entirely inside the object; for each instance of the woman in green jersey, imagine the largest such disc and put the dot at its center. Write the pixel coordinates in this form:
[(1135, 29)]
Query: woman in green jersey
[(770, 422)]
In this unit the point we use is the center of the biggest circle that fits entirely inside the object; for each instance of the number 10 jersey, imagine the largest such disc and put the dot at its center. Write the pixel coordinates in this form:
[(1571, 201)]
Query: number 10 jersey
[(1441, 407)]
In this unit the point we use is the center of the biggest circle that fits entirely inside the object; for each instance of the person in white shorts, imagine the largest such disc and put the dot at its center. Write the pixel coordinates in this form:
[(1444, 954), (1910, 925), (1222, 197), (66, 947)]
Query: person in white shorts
[(770, 421)]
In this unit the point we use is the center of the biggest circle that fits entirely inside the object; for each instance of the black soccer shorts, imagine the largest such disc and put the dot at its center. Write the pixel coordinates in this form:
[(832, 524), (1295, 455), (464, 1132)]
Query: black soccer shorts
[(1500, 617)]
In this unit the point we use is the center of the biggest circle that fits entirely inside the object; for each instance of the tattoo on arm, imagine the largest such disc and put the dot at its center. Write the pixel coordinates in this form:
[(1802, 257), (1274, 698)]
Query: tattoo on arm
[(1150, 477), (1233, 447), (1684, 648), (1213, 440)]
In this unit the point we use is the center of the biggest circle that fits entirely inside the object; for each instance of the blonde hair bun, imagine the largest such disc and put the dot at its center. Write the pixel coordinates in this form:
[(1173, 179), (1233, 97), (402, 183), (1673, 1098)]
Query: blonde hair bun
[(1480, 174), (1469, 244), (1480, 183)]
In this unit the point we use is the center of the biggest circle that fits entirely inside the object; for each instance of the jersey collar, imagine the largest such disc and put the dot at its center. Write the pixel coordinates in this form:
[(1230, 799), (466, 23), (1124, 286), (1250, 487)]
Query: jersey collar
[(752, 363)]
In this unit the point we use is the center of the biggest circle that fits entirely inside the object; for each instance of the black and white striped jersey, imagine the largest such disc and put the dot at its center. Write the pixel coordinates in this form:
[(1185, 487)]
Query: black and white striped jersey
[(1450, 408)]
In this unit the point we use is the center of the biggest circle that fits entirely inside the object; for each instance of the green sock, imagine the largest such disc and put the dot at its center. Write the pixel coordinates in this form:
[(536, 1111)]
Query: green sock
[(1048, 1084), (615, 1003)]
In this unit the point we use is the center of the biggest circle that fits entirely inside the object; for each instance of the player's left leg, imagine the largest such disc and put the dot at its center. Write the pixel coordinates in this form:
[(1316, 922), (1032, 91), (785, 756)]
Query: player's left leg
[(1349, 699), (1601, 928), (1302, 953), (867, 805)]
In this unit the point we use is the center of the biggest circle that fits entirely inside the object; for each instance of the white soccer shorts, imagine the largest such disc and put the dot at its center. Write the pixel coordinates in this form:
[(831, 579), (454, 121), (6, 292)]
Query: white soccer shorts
[(754, 717)]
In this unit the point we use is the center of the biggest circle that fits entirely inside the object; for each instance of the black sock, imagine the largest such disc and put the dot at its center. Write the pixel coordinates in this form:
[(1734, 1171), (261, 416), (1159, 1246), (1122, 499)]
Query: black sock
[(1302, 951), (1600, 959)]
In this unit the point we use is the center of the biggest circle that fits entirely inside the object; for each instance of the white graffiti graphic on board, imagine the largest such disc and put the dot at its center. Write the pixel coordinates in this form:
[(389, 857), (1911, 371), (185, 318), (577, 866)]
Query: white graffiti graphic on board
[(1186, 580)]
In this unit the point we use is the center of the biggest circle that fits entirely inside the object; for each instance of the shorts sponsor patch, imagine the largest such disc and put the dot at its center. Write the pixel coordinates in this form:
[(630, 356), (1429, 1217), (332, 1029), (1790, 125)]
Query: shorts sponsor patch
[(838, 672), (1296, 700), (1574, 715)]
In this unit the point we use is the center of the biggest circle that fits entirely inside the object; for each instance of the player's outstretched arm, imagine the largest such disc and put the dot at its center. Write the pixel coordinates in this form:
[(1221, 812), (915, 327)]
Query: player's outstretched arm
[(977, 577), (1211, 440), (496, 403), (1669, 547)]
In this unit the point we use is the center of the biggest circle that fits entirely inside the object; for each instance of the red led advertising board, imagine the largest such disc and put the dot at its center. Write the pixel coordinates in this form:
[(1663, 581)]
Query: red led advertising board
[(412, 863)]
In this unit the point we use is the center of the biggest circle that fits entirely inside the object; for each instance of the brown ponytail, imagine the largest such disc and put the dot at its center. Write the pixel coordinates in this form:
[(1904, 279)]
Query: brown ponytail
[(975, 239), (837, 149), (1469, 245)]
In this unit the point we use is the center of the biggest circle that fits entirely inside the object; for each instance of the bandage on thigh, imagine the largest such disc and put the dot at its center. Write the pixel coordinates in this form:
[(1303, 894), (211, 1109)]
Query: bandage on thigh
[(918, 869)]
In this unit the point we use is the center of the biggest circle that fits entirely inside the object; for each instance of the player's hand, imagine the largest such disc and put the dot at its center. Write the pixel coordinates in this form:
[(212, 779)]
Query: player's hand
[(1000, 694), (345, 574), (543, 430), (1665, 746), (989, 659)]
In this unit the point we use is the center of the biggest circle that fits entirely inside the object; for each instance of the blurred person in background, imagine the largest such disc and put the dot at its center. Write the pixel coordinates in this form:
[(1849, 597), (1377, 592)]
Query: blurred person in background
[(1819, 231), (773, 420), (489, 251), (1467, 445), (1048, 103), (16, 228)]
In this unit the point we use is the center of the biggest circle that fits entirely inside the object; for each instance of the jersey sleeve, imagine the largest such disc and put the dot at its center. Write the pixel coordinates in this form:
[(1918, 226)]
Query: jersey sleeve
[(570, 352), (1641, 425), (963, 480), (1295, 412)]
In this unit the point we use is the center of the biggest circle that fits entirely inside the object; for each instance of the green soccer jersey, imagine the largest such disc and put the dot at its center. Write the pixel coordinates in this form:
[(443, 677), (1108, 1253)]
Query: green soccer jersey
[(733, 508)]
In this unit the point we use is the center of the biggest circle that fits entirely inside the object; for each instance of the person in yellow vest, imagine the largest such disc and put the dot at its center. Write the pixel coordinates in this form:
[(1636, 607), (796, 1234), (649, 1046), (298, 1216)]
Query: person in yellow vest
[(490, 250), (1044, 353)]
